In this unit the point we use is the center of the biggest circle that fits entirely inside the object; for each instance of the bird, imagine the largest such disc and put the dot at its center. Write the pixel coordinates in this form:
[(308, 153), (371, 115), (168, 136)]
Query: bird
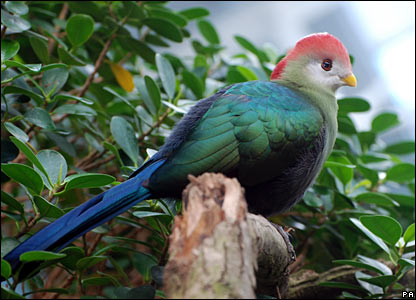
[(273, 136)]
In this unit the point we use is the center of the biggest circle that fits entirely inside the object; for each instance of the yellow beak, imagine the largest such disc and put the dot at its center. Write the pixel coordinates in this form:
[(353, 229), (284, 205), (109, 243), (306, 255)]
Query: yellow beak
[(350, 80)]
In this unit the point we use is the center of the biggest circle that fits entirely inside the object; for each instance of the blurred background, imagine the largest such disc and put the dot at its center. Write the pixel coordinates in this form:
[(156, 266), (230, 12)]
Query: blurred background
[(380, 36)]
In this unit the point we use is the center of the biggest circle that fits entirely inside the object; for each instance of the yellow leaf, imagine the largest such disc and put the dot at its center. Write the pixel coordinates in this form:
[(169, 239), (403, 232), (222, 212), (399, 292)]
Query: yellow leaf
[(123, 77)]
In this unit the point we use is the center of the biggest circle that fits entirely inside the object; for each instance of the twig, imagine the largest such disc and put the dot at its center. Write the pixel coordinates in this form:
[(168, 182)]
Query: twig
[(154, 126), (3, 31), (62, 15), (98, 163)]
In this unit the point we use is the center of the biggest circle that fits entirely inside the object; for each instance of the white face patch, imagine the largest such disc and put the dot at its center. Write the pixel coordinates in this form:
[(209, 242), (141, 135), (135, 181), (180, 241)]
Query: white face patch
[(329, 79)]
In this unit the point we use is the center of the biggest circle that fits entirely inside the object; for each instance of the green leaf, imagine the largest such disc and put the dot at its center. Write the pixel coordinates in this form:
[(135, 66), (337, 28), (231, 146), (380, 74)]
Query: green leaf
[(71, 97), (31, 67), (144, 214), (167, 75), (114, 150), (47, 209), (375, 263), (194, 13), (62, 143), (357, 264), (87, 180), (346, 125), (73, 255), (153, 91), (247, 73), (24, 175), (53, 80), (40, 117), (55, 166), (341, 167), (40, 47), (111, 91), (17, 7), (29, 154), (79, 29), (16, 131), (18, 90), (40, 255), (91, 140), (194, 83), (174, 107), (208, 31), (14, 23), (169, 15), (141, 86), (87, 262), (138, 47), (96, 281), (6, 269), (54, 66), (384, 121), (250, 47), (369, 174), (7, 293), (381, 281), (366, 138), (97, 11), (11, 202), (373, 289), (401, 148), (376, 198), (234, 76), (409, 234), (403, 200), (133, 10), (155, 40), (125, 137), (384, 227), (9, 49), (70, 59), (143, 263), (75, 109), (379, 242), (209, 50), (348, 105), (165, 28), (374, 158), (403, 172), (404, 262)]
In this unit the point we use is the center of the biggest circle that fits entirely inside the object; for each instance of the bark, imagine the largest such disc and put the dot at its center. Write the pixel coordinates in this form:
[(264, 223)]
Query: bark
[(215, 246)]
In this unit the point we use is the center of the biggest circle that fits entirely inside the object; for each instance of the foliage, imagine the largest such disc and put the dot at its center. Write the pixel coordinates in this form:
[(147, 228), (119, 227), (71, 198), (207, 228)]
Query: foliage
[(91, 89)]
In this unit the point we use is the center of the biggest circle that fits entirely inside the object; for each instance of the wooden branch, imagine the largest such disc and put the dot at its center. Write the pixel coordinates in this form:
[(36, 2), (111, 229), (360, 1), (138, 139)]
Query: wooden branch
[(276, 254), (215, 246), (212, 248), (305, 283)]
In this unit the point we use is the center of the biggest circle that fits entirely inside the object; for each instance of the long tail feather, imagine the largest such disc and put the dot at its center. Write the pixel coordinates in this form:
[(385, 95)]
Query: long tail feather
[(87, 216)]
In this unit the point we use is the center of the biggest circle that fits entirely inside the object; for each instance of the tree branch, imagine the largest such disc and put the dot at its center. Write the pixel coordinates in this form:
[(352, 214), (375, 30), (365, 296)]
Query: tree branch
[(215, 246)]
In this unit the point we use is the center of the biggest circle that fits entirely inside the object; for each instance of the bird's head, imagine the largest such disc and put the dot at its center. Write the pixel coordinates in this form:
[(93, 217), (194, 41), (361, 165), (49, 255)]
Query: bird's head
[(318, 60)]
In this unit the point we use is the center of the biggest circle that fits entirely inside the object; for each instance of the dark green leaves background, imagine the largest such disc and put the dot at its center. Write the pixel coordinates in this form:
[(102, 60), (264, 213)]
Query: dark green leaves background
[(70, 130)]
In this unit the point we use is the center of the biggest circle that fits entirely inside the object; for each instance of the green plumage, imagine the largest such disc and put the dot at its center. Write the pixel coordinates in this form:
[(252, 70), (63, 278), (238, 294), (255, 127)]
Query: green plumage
[(254, 131)]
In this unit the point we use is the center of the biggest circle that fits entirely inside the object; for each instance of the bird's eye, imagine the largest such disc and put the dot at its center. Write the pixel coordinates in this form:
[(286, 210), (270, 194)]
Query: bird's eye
[(326, 64)]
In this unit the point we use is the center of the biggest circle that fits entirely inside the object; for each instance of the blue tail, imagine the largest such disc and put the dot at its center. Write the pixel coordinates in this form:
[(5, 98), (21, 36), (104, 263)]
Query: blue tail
[(87, 216)]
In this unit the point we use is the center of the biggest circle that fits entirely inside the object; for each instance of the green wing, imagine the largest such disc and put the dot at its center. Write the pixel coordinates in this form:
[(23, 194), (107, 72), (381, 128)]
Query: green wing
[(254, 131)]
